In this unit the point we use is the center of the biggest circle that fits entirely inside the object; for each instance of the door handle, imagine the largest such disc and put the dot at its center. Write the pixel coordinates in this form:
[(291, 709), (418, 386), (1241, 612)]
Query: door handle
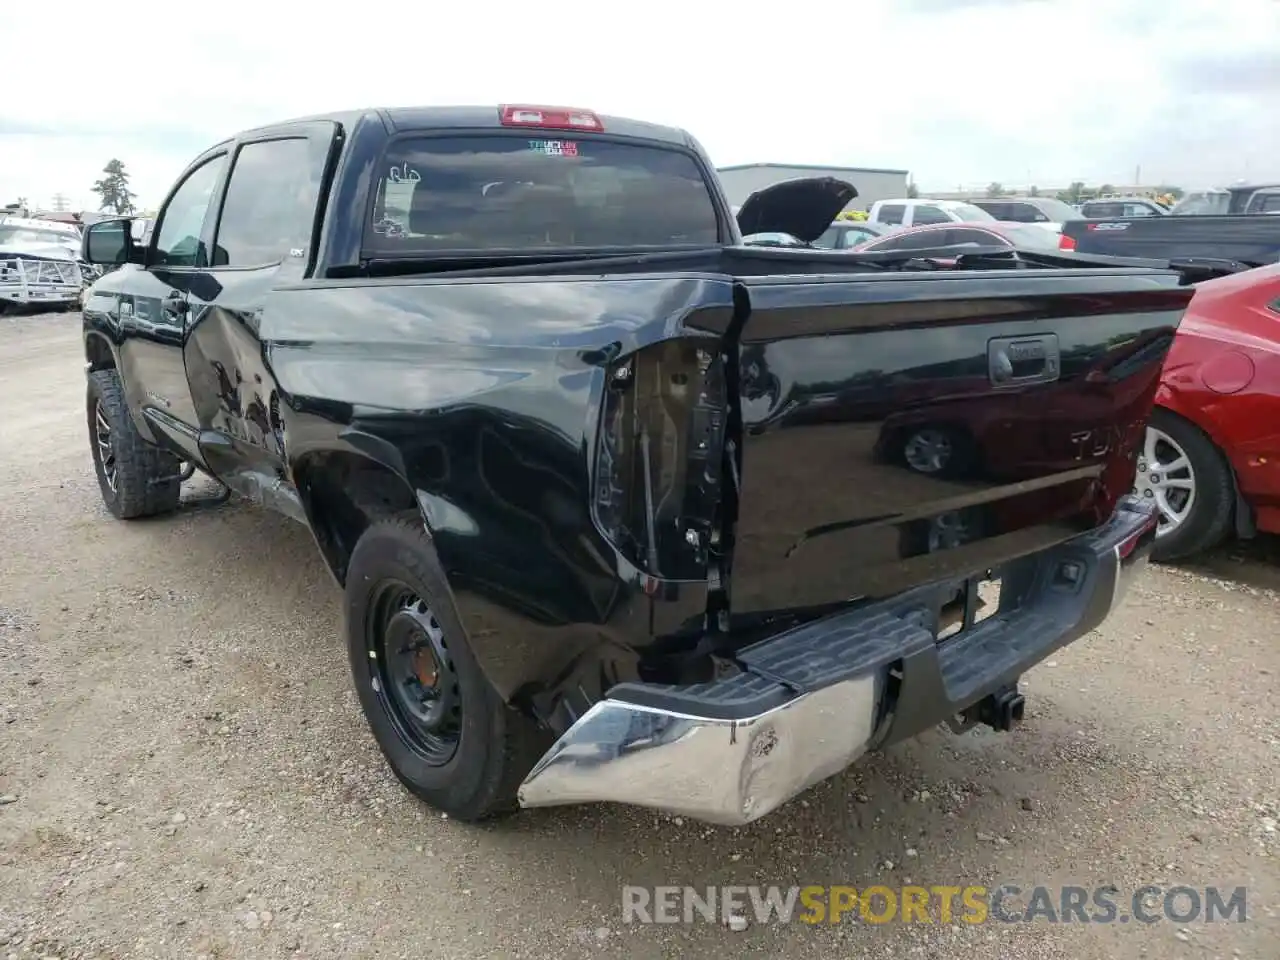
[(174, 305), (1014, 361)]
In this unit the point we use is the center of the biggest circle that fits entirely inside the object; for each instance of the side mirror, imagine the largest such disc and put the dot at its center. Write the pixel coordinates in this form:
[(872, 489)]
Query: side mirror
[(109, 243)]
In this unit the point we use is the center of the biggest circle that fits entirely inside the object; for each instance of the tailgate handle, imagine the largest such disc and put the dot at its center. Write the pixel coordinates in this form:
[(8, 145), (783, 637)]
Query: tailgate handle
[(1015, 361)]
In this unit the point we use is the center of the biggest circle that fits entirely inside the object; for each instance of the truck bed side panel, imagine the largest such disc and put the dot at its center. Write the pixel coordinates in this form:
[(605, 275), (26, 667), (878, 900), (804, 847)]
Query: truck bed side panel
[(1247, 239), (483, 396)]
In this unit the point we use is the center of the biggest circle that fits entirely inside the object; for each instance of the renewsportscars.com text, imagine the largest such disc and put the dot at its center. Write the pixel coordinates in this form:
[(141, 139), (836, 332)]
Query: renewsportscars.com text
[(973, 904)]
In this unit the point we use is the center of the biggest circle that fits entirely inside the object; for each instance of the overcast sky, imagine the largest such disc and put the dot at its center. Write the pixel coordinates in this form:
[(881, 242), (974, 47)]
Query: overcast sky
[(960, 92)]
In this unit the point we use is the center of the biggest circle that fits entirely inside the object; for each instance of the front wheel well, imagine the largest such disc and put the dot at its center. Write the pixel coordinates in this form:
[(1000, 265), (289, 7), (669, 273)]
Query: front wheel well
[(344, 494), (98, 353)]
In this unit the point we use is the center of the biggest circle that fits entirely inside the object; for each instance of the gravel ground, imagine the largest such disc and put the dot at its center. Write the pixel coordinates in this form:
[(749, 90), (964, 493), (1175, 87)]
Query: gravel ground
[(184, 770)]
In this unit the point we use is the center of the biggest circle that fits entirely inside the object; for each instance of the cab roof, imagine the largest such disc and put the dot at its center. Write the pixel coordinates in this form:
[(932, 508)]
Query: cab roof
[(405, 119)]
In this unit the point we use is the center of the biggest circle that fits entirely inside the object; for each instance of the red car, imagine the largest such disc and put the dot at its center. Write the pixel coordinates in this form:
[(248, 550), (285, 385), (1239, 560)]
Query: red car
[(985, 234), (1211, 459)]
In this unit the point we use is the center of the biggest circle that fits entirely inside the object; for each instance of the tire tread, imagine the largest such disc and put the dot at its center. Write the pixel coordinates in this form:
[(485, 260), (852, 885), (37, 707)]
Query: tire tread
[(142, 489), (515, 742)]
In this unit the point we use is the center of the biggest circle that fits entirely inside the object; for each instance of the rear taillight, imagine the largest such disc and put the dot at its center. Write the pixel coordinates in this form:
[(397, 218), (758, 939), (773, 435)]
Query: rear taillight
[(659, 458), (1066, 243), (551, 118)]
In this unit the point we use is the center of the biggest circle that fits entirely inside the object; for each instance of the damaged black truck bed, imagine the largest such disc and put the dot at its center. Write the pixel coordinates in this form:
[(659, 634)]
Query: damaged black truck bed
[(623, 510)]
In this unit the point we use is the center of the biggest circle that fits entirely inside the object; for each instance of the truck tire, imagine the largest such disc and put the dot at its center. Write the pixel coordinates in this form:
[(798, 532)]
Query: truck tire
[(137, 478), (1208, 518), (446, 733)]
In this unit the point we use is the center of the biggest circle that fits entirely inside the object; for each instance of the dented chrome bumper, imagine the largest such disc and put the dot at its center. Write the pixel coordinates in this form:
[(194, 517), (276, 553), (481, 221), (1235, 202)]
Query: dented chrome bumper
[(811, 701)]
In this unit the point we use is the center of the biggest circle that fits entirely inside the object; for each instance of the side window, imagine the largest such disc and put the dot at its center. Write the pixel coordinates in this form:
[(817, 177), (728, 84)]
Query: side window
[(855, 236), (891, 213), (957, 238), (178, 242), (927, 214), (1001, 211), (1138, 210), (829, 240), (923, 240), (270, 204), (1023, 213), (1103, 211), (1268, 203)]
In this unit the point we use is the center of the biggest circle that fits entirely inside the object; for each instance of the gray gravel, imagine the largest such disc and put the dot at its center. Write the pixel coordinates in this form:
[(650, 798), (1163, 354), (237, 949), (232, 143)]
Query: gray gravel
[(184, 770)]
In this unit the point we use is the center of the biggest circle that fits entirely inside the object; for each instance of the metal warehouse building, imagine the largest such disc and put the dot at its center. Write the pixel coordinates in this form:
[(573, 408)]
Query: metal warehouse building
[(872, 184)]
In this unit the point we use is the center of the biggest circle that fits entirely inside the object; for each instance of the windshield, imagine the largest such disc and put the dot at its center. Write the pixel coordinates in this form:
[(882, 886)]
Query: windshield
[(1033, 238), (34, 235), (1203, 203), (968, 212), (507, 192)]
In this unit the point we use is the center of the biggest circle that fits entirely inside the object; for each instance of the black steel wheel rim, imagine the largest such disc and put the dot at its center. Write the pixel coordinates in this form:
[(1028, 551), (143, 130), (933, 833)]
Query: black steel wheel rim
[(412, 672)]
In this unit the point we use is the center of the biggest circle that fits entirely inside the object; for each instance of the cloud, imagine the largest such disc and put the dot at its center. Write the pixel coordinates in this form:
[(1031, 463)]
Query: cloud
[(948, 7), (1253, 75), (961, 92)]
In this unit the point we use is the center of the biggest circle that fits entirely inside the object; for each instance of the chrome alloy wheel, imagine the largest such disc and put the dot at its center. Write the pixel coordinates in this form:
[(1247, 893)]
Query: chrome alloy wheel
[(1165, 475), (927, 451)]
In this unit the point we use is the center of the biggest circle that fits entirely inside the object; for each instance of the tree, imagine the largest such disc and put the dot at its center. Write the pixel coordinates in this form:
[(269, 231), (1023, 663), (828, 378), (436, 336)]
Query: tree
[(1034, 191), (912, 190), (995, 190), (1105, 189), (113, 190), (1176, 192), (1073, 193)]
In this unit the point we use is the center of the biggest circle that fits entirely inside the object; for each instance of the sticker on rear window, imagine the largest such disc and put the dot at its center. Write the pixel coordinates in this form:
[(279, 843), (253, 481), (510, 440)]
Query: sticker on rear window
[(403, 174), (555, 148)]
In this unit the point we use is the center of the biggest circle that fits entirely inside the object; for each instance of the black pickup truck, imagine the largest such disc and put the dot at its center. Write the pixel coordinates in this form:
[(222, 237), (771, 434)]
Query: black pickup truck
[(622, 509), (1243, 228)]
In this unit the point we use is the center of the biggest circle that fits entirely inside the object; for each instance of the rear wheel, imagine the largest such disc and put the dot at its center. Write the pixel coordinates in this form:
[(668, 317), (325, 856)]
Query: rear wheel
[(444, 730), (137, 478), (1189, 480)]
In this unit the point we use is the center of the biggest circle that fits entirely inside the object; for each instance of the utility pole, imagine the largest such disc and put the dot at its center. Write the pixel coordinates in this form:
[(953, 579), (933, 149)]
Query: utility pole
[(1137, 175), (60, 203)]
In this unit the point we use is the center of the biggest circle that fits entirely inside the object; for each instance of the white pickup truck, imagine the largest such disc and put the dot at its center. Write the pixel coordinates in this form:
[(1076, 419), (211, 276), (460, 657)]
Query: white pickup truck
[(40, 264), (915, 212)]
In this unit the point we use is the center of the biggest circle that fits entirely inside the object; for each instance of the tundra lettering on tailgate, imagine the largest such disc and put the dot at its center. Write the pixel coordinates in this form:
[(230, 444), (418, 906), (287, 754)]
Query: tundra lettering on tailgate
[(1090, 444)]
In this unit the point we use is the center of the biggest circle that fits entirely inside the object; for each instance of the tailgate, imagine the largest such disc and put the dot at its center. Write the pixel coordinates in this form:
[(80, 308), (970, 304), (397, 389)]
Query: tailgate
[(1247, 239), (901, 429)]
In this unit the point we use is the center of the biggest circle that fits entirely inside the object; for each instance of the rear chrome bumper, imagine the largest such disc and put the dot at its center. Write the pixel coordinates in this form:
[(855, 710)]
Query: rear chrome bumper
[(812, 700), (727, 771)]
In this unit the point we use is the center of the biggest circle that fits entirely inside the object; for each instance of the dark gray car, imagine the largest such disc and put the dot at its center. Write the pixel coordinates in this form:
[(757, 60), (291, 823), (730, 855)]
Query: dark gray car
[(844, 234)]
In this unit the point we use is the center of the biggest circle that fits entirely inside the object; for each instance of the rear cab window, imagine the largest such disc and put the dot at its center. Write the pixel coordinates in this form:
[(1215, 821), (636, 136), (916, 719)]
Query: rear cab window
[(1014, 212), (923, 214), (1103, 210), (536, 190), (891, 213)]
